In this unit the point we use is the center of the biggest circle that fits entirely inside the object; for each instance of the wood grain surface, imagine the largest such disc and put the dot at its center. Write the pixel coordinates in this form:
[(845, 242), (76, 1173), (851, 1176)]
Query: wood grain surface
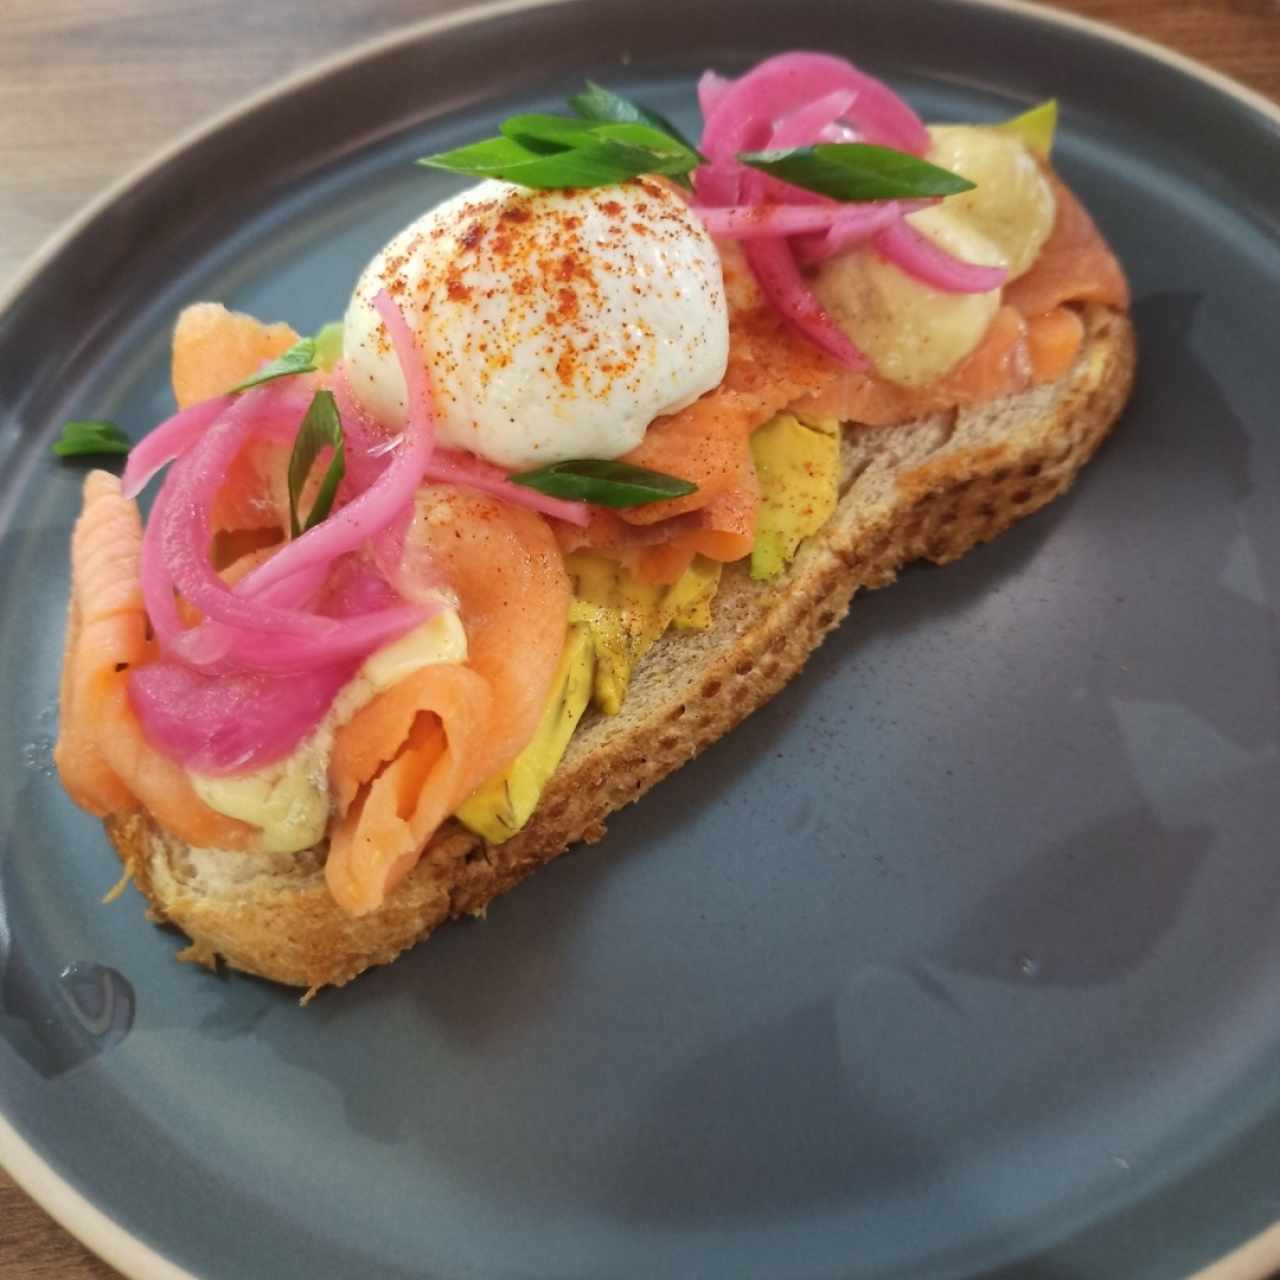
[(89, 88)]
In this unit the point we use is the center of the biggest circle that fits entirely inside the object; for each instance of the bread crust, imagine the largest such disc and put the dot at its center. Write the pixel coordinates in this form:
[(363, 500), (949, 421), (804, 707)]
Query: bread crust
[(929, 489)]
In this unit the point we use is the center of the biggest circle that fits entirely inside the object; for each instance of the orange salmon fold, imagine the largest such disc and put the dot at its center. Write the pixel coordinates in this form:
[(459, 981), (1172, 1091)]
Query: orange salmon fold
[(399, 768), (770, 365), (1075, 265), (408, 760), (101, 755), (1054, 339), (997, 366), (215, 349), (106, 627)]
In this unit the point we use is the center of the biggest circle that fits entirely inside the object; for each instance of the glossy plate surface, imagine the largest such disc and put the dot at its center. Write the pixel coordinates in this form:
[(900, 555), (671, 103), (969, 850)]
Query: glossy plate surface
[(962, 954)]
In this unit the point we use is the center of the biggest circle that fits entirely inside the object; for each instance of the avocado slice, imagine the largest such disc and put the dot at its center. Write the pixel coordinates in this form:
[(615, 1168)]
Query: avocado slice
[(626, 618), (798, 464), (328, 342), (505, 803), (1035, 129)]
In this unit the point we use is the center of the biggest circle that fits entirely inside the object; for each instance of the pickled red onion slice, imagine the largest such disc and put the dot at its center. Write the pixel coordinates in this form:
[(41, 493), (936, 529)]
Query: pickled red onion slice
[(157, 581), (279, 411), (367, 445), (762, 221), (782, 84), (368, 618), (781, 281), (774, 266), (452, 466), (788, 101), (209, 643), (717, 184), (354, 639), (711, 88), (853, 225), (918, 256), (389, 494), (215, 646), (185, 531), (228, 722), (808, 122), (259, 623), (356, 587), (796, 99), (366, 457), (168, 441)]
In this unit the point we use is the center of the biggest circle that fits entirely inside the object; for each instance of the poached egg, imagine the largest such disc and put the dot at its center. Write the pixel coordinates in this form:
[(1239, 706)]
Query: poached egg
[(553, 324)]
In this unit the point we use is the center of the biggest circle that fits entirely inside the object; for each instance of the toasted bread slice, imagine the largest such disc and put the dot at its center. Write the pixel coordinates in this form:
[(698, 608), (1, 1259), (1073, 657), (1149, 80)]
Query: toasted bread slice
[(929, 489)]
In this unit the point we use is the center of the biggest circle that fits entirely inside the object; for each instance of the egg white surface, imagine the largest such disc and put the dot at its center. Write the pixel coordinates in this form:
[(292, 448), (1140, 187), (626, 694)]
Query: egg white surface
[(553, 324)]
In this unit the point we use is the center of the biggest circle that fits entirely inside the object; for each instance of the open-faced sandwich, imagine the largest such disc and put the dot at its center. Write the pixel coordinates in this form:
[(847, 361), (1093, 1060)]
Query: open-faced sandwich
[(601, 450)]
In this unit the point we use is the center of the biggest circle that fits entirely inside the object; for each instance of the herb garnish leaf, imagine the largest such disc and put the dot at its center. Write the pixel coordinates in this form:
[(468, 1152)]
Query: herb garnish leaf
[(857, 171), (300, 358), (321, 428), (544, 134), (615, 139), (546, 156), (84, 437), (610, 484), (596, 102)]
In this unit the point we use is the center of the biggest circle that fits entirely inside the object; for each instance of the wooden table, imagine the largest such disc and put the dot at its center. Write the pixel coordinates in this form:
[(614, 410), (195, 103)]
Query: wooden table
[(88, 88)]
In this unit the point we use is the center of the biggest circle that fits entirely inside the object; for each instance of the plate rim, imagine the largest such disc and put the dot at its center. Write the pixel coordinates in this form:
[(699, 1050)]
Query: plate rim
[(74, 1211), (1253, 1259)]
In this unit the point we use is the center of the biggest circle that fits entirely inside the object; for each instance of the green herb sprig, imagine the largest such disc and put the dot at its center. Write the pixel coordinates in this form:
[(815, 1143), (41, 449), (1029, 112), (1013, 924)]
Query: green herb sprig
[(614, 139), (597, 103), (300, 358), (608, 484), (857, 171), (321, 428), (547, 152), (86, 437)]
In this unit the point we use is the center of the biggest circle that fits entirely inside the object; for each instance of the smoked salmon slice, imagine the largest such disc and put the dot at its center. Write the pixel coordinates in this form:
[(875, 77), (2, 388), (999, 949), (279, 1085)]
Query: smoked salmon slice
[(215, 349), (1054, 339), (998, 366), (724, 530), (708, 443), (1075, 265), (101, 755), (416, 752), (400, 767), (106, 627)]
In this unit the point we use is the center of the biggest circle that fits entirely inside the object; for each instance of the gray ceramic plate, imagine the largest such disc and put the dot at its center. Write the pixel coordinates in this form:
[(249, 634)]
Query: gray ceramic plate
[(961, 955)]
